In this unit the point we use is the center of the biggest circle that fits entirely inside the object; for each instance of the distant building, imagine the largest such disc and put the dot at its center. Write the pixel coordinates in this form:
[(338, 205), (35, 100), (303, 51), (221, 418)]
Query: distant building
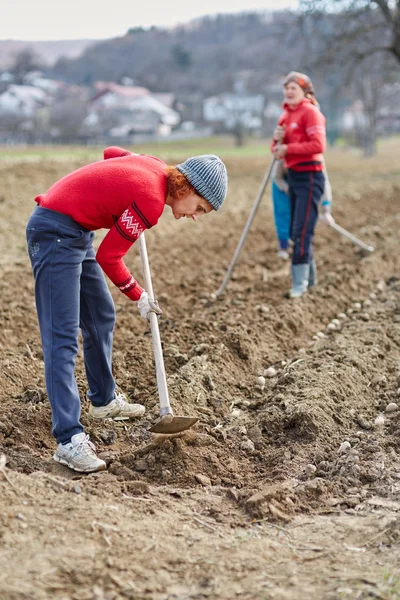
[(122, 111), (22, 101), (38, 80), (230, 109)]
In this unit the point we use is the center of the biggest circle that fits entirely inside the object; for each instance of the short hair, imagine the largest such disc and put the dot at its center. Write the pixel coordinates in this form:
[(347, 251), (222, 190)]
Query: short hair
[(178, 186)]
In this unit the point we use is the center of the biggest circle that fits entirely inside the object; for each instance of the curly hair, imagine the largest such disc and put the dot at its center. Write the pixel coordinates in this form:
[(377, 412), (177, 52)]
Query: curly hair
[(178, 186)]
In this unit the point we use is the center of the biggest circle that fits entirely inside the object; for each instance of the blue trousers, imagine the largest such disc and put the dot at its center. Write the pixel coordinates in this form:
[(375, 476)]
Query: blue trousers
[(70, 293), (305, 192), (281, 204)]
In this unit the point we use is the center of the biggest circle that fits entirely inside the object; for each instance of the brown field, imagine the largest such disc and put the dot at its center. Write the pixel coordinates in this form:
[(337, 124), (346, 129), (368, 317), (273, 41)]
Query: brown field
[(231, 509)]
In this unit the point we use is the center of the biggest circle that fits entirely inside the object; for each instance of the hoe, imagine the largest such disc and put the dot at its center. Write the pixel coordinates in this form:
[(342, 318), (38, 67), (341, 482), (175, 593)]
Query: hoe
[(168, 422)]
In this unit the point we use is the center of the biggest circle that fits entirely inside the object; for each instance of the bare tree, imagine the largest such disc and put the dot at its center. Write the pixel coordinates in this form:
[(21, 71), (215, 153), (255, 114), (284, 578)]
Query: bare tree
[(67, 114), (356, 43), (25, 61), (374, 25)]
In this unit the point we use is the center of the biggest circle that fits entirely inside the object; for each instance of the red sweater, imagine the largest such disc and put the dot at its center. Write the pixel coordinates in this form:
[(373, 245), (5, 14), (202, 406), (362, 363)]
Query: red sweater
[(125, 194), (304, 135)]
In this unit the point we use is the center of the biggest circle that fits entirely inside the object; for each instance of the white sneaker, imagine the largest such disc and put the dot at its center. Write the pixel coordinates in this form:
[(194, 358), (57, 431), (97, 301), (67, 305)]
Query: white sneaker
[(284, 254), (79, 455), (118, 409)]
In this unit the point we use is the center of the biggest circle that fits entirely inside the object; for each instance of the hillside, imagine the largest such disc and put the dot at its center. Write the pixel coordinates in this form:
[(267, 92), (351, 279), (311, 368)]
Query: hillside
[(49, 51), (204, 56)]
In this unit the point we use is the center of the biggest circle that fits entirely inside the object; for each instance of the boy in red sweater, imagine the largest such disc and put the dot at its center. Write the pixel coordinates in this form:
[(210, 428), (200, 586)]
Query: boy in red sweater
[(300, 140), (126, 193)]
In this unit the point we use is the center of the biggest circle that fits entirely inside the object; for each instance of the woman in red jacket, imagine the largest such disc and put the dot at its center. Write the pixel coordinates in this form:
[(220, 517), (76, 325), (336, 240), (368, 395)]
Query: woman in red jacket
[(300, 140), (125, 193)]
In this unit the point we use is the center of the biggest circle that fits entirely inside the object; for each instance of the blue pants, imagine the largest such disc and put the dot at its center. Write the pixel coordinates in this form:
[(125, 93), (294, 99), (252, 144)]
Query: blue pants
[(281, 204), (305, 191), (71, 293)]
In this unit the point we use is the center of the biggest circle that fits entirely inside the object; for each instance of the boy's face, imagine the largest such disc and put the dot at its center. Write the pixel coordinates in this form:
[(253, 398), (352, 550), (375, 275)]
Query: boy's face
[(192, 206)]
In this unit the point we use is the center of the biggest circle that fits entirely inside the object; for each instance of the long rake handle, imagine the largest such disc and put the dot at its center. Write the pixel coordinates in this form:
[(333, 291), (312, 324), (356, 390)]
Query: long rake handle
[(246, 228), (165, 407), (351, 237)]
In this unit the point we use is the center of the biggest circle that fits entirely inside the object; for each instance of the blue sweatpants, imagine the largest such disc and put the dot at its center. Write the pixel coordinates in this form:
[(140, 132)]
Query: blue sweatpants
[(281, 204), (305, 192), (70, 293)]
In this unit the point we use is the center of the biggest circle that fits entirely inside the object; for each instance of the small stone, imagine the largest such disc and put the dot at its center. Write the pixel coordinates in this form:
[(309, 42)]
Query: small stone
[(236, 413), (344, 447), (349, 311), (264, 308), (372, 296), (336, 322), (362, 434), (247, 445), (362, 423), (255, 434), (151, 460), (166, 474), (342, 316), (20, 517), (381, 285), (378, 381), (261, 382), (320, 334), (367, 303), (270, 372), (202, 479), (357, 306), (380, 420), (310, 469), (391, 407), (141, 465), (233, 494), (138, 488), (331, 326), (398, 391), (77, 489)]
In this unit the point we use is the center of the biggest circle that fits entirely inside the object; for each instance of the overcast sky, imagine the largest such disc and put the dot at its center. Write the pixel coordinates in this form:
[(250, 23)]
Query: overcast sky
[(99, 19)]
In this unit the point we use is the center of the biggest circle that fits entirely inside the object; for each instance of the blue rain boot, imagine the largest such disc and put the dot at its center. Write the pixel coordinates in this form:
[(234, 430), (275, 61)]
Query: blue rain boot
[(312, 279), (300, 275)]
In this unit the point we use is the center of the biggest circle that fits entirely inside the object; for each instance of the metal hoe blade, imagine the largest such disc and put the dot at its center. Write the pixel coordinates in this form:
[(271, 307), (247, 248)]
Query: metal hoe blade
[(171, 424)]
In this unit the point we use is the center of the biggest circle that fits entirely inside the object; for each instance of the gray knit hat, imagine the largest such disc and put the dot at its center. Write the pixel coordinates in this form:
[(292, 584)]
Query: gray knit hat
[(207, 174)]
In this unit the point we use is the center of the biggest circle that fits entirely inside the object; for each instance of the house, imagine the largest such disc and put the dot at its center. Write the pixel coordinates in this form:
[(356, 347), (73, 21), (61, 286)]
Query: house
[(230, 110), (38, 80), (122, 111), (22, 101)]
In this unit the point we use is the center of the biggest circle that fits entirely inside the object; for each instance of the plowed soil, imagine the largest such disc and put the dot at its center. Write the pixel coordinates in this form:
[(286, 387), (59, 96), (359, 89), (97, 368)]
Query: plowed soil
[(283, 490)]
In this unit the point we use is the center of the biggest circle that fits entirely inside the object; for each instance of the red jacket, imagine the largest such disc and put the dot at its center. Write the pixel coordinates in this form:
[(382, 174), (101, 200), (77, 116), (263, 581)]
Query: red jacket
[(305, 136), (125, 194)]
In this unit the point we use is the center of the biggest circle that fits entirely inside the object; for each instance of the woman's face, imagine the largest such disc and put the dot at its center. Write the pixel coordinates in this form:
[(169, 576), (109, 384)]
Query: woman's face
[(191, 207), (293, 93)]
